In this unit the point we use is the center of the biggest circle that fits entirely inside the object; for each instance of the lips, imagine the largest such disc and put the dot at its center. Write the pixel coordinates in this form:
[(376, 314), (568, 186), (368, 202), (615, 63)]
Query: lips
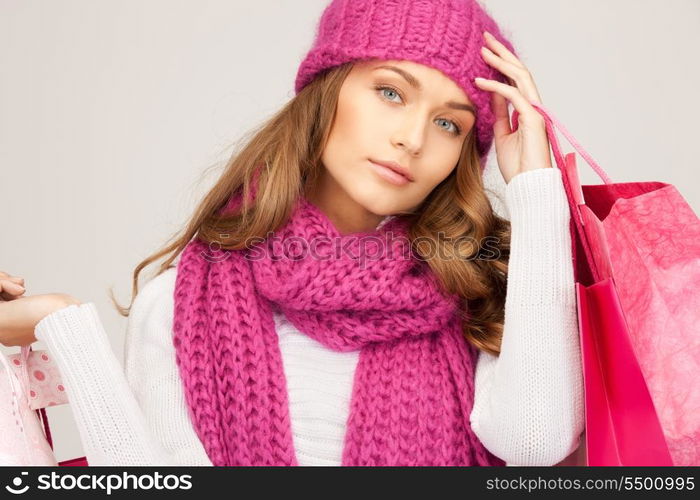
[(396, 167)]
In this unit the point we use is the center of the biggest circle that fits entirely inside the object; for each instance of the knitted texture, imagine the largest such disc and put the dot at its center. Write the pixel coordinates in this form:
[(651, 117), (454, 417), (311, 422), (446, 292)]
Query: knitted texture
[(444, 34), (413, 389)]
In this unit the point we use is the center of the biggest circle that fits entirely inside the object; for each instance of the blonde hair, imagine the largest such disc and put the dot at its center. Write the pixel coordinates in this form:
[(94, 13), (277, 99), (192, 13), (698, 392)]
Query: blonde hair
[(284, 156)]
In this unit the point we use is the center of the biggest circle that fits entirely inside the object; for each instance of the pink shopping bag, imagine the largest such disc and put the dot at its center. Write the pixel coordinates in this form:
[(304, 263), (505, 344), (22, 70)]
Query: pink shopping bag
[(636, 249), (31, 383)]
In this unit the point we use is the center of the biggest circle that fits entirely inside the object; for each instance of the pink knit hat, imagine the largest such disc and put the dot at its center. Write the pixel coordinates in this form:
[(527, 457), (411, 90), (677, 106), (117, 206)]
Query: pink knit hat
[(444, 34)]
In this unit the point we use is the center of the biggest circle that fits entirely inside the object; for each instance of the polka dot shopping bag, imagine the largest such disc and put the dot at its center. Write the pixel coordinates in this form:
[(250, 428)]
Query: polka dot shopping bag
[(29, 383)]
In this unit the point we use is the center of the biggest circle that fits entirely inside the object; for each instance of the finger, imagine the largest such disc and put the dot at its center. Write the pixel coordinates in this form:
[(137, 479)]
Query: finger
[(7, 297), (8, 289), (10, 286), (501, 126), (504, 66), (517, 76), (16, 279), (501, 49), (528, 114)]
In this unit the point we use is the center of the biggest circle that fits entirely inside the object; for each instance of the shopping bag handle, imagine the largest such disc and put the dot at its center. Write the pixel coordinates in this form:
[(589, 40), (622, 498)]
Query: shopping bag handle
[(577, 222), (552, 123)]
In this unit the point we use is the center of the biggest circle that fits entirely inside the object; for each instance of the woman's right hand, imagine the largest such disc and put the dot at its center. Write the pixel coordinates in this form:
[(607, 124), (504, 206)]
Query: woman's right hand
[(20, 314)]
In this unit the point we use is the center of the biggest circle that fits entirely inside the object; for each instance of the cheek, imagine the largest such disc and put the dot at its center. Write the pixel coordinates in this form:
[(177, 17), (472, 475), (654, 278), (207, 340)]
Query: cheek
[(358, 120), (354, 135), (442, 166)]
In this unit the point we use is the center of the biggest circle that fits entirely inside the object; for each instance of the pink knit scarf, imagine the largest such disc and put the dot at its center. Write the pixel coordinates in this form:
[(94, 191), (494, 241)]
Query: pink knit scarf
[(413, 387)]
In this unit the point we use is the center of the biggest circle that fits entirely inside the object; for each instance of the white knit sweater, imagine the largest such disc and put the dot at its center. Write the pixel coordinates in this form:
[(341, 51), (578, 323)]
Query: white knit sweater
[(528, 402)]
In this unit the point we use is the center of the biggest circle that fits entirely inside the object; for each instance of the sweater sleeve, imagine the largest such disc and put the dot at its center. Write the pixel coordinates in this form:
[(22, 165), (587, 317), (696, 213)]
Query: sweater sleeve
[(528, 401), (133, 417)]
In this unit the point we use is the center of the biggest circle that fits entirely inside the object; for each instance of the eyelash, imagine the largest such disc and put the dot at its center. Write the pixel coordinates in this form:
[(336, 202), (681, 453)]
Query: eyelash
[(379, 88)]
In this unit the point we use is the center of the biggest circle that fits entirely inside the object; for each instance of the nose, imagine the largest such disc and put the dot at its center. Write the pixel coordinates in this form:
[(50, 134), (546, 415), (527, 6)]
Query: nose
[(410, 135)]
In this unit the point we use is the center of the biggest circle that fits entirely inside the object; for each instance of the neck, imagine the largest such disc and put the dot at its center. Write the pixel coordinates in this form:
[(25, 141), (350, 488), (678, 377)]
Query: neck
[(346, 214)]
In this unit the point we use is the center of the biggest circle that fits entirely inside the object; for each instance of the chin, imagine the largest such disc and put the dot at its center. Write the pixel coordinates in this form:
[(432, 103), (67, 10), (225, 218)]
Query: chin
[(377, 201)]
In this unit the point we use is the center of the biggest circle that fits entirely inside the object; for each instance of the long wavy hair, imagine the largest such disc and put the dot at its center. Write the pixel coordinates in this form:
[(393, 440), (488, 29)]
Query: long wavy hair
[(283, 158)]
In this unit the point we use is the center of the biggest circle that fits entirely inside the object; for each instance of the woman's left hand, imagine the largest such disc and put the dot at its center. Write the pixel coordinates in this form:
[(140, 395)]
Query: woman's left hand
[(528, 147)]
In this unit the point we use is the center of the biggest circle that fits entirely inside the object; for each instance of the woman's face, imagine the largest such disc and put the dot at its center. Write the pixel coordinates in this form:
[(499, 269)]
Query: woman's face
[(392, 111)]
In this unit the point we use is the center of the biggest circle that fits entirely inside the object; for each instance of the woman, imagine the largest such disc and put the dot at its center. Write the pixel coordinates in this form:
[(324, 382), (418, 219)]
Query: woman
[(299, 328)]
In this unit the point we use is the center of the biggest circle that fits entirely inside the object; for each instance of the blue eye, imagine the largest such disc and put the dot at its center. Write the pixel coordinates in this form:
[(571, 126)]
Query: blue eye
[(390, 89), (456, 130), (381, 88)]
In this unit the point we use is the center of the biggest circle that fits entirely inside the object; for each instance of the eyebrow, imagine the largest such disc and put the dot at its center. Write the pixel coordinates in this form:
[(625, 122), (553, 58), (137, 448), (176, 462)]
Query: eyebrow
[(413, 82)]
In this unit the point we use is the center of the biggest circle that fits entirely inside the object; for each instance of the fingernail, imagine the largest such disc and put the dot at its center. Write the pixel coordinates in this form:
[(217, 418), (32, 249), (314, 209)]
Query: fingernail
[(487, 34)]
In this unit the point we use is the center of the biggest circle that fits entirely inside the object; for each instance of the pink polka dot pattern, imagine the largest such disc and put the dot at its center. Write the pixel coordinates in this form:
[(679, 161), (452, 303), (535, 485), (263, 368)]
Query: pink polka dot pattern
[(24, 441), (45, 385)]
